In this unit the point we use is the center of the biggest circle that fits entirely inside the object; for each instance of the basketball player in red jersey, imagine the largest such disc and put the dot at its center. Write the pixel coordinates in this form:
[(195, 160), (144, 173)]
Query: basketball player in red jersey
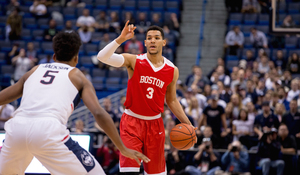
[(152, 79)]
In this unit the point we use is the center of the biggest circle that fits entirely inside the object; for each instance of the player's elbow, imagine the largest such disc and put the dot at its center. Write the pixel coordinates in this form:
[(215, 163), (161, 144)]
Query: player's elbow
[(99, 114)]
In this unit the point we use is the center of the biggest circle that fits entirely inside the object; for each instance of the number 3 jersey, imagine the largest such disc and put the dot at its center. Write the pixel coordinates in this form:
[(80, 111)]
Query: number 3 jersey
[(147, 87), (48, 92)]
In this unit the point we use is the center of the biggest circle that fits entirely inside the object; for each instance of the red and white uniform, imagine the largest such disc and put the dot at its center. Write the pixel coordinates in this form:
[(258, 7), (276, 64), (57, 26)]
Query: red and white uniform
[(142, 127)]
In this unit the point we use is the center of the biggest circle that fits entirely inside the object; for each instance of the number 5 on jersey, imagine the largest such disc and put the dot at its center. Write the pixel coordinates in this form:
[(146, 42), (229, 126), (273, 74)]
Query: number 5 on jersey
[(150, 94), (47, 74)]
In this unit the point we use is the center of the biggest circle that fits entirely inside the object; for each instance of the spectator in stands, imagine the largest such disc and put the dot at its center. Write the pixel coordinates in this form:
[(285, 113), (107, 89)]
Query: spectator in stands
[(107, 106), (6, 113), (173, 24), (31, 52), (102, 22), (85, 34), (194, 110), (292, 120), (288, 142), (11, 6), (268, 150), (79, 126), (280, 60), (76, 3), (121, 107), (263, 65), (288, 22), (206, 132), (288, 148), (226, 94), (214, 116), (14, 52), (22, 63), (205, 160), (142, 23), (250, 6), (108, 156), (128, 17), (104, 41), (236, 159), (286, 79), (279, 110), (68, 27), (265, 5), (258, 38), (47, 59), (114, 23), (225, 79), (282, 99), (249, 58), (241, 126), (175, 161), (294, 64), (167, 51), (14, 25), (235, 100), (156, 20), (133, 43), (86, 20), (38, 10), (239, 81), (228, 114), (234, 40), (220, 62), (294, 92), (51, 31), (198, 79), (265, 121)]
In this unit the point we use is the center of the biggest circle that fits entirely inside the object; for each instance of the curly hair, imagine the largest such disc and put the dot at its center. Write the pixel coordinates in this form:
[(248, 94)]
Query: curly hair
[(66, 45)]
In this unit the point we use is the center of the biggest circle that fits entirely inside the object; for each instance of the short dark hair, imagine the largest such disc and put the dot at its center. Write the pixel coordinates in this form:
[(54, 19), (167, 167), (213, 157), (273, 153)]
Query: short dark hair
[(66, 45), (156, 28)]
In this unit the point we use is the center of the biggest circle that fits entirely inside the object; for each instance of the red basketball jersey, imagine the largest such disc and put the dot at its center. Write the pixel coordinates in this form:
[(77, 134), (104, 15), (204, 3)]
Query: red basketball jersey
[(147, 87)]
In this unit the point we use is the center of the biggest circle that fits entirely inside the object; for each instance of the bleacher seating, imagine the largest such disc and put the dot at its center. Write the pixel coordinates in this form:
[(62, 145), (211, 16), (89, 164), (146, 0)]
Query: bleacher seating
[(261, 23)]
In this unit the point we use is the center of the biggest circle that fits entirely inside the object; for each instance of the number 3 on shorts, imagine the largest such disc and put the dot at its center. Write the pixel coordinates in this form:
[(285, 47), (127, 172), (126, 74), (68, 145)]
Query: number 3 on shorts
[(150, 95)]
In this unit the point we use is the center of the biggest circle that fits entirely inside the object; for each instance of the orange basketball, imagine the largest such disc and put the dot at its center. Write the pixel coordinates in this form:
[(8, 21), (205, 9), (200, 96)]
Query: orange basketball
[(183, 136)]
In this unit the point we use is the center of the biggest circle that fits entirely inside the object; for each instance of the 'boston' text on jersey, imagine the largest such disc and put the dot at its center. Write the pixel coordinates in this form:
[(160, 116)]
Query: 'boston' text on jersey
[(152, 80)]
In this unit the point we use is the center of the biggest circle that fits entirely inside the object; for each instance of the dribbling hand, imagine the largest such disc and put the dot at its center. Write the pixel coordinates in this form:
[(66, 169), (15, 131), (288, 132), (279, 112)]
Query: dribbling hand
[(127, 32), (132, 154)]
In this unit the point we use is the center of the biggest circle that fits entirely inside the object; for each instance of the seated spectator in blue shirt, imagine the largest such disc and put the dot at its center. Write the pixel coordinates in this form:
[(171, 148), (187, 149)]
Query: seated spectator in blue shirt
[(236, 159), (205, 160), (265, 121), (292, 120)]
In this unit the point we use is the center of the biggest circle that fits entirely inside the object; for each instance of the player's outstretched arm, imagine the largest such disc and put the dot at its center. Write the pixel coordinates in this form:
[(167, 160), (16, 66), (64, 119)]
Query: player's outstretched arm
[(107, 55), (172, 101), (103, 119), (15, 91)]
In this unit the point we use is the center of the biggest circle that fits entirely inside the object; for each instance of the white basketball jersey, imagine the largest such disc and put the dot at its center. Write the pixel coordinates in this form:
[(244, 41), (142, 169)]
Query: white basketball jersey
[(48, 92)]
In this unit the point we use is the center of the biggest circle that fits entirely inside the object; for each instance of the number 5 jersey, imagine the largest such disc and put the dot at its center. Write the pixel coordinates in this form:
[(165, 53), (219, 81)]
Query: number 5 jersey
[(48, 92), (147, 87)]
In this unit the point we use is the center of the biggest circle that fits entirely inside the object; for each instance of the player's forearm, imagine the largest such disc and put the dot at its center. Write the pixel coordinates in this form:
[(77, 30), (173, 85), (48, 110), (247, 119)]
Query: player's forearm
[(106, 123), (177, 110), (107, 56)]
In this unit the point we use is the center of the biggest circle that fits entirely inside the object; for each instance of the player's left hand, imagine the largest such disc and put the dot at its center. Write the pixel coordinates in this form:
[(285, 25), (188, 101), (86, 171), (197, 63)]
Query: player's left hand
[(132, 154)]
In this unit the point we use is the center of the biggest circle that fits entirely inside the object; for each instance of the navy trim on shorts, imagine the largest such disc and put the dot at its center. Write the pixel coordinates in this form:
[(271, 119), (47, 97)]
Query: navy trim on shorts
[(83, 156)]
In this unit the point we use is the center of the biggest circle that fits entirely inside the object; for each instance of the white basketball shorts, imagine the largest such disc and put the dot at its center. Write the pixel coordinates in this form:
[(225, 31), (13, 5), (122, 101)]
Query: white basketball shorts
[(49, 141)]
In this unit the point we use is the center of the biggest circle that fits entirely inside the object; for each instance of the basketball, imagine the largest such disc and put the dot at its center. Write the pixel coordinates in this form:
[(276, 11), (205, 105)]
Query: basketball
[(183, 136)]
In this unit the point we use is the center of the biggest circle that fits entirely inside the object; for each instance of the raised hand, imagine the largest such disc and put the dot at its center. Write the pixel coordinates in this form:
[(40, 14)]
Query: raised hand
[(132, 154), (127, 33)]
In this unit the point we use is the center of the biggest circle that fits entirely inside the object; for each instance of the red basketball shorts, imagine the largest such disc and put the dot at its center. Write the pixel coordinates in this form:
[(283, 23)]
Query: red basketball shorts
[(147, 137)]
